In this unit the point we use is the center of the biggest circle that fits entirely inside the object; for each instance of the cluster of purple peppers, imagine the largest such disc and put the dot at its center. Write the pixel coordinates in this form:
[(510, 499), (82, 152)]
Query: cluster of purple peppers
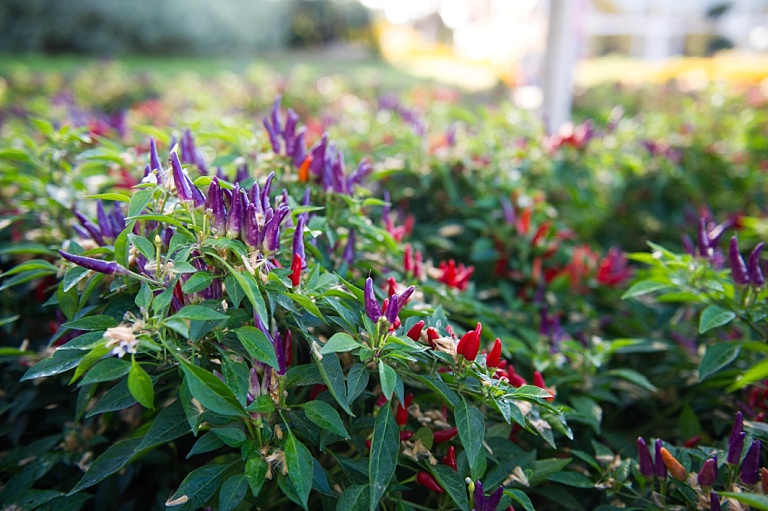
[(750, 466), (392, 305)]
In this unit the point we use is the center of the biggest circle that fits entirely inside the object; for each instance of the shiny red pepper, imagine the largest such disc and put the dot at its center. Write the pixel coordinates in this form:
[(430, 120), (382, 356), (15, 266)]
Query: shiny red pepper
[(392, 286), (296, 270), (469, 345), (401, 416), (431, 336), (405, 435), (415, 332), (450, 458), (444, 435), (429, 482), (494, 357)]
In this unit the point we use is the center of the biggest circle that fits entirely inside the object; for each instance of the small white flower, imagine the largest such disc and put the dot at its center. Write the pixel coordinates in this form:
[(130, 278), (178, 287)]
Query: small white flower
[(122, 340)]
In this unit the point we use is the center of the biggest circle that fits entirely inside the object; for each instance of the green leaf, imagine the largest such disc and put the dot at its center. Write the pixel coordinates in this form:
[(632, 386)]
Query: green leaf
[(232, 492), (111, 460), (234, 291), (90, 358), (471, 426), (92, 323), (192, 407), (233, 437), (718, 356), (110, 196), (388, 378), (357, 381), (754, 500), (206, 443), (197, 488), (570, 478), (339, 343), (530, 391), (106, 370), (355, 498), (138, 202), (116, 398), (170, 424), (62, 360), (755, 373), (198, 313), (545, 468), (298, 459), (143, 245), (197, 282), (144, 297), (333, 376), (251, 288), (257, 345), (643, 288), (34, 264), (210, 391), (307, 303), (450, 397), (140, 385), (633, 376), (453, 485), (256, 473), (714, 316), (325, 416), (262, 404), (385, 445), (521, 498)]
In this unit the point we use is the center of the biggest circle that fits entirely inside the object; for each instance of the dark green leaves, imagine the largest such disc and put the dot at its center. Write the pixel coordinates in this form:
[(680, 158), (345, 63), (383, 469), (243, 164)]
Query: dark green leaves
[(112, 460), (197, 488), (333, 376), (325, 416), (388, 378), (257, 345), (471, 426), (210, 391), (299, 462), (718, 356), (385, 445), (339, 343)]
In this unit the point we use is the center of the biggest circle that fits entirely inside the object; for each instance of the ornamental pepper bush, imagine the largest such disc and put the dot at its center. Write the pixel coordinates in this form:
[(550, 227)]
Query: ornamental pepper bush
[(309, 293)]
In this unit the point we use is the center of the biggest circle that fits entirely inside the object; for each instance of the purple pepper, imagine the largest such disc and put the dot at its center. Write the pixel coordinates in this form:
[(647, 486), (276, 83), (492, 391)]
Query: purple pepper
[(254, 388), (392, 309), (738, 268), (250, 228), (215, 202), (733, 441), (97, 265), (81, 232), (708, 472), (185, 189), (659, 468), (273, 140), (483, 503), (236, 213), (241, 174), (272, 230), (93, 229), (280, 353), (349, 250), (714, 502), (403, 297), (300, 148), (117, 219), (276, 114), (104, 224), (361, 172), (644, 457), (372, 309), (750, 467), (265, 191), (289, 132), (756, 277), (318, 156), (688, 247), (298, 241), (154, 160)]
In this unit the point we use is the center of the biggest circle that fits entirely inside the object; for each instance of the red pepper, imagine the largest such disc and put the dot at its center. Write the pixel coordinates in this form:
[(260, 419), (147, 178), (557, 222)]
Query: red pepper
[(540, 233), (538, 380), (296, 270), (469, 345), (392, 286), (450, 458), (415, 331), (401, 416), (405, 435), (316, 390), (381, 401), (288, 347), (494, 358), (431, 336), (368, 443), (444, 435), (408, 259), (429, 482)]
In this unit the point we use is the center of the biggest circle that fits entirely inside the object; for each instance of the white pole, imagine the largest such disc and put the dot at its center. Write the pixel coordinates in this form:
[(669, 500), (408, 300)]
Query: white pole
[(559, 60)]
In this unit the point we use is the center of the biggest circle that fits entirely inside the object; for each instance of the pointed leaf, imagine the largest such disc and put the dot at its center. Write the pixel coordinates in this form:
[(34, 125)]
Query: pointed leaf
[(170, 424), (232, 492), (385, 445), (325, 416), (713, 317), (211, 392), (718, 356), (197, 488), (453, 485), (471, 426), (140, 385), (355, 498), (388, 378), (110, 461), (333, 376), (257, 345), (256, 473), (339, 343), (206, 443), (298, 459), (357, 381)]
